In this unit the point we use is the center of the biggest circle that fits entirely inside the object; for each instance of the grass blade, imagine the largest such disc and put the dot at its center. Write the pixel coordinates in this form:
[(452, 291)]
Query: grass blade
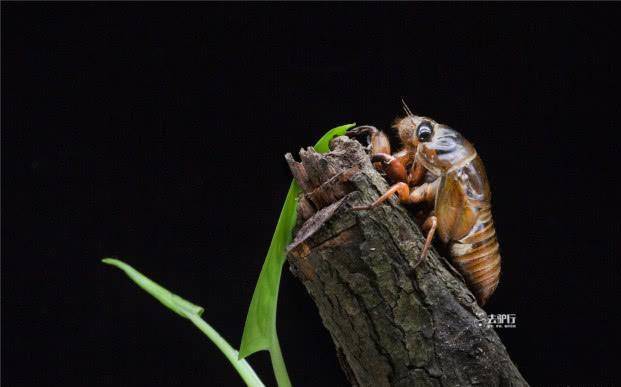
[(188, 310), (260, 328)]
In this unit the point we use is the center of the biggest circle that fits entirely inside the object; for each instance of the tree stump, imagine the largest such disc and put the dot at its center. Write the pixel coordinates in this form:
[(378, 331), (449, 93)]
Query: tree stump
[(391, 325)]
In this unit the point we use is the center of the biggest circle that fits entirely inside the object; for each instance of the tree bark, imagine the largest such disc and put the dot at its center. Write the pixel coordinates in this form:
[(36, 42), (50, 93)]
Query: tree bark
[(391, 325)]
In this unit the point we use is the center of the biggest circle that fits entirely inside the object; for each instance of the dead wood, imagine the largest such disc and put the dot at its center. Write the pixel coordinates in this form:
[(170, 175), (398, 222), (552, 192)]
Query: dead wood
[(391, 325)]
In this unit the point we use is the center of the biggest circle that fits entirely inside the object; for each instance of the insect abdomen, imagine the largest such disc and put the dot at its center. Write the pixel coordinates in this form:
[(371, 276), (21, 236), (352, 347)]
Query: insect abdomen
[(477, 257)]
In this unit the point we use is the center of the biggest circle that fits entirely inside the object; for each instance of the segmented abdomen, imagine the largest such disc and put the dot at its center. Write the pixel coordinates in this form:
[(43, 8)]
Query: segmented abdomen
[(477, 257)]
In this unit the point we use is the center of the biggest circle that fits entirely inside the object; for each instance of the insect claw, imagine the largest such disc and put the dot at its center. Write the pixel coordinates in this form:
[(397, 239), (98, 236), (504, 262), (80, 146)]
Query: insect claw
[(413, 266), (360, 130), (364, 131)]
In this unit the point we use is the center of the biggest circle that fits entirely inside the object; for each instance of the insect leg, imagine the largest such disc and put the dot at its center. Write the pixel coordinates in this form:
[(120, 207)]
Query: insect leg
[(417, 173), (404, 156), (425, 192), (395, 171), (379, 143), (392, 165), (377, 140), (429, 226), (401, 189)]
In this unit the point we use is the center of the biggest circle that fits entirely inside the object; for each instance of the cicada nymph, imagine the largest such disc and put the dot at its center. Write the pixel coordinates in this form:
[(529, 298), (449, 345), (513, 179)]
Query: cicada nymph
[(440, 172)]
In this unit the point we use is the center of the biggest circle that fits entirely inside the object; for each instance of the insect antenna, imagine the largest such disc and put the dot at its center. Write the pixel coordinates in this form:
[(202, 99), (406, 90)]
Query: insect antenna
[(408, 111)]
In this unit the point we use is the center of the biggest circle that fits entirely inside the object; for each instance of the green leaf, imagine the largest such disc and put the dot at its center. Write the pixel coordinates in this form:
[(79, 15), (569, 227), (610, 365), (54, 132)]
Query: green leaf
[(260, 329), (188, 310), (183, 308)]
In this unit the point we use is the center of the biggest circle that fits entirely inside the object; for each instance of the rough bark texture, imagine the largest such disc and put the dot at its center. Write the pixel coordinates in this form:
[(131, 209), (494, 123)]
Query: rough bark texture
[(391, 325)]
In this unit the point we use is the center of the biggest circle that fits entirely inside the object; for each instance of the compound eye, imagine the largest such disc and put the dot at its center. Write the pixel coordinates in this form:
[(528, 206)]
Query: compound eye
[(424, 131)]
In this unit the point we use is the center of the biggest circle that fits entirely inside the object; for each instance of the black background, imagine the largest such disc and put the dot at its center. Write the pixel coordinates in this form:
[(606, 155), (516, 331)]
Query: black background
[(156, 133)]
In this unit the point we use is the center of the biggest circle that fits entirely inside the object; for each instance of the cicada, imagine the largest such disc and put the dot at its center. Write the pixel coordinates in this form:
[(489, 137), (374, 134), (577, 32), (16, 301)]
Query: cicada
[(439, 173)]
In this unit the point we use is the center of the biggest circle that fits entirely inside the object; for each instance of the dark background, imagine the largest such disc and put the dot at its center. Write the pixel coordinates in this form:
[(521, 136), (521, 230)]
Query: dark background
[(156, 133)]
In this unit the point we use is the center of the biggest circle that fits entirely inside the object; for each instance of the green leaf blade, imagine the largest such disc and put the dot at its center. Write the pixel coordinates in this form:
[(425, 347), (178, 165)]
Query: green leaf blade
[(259, 325), (182, 307), (260, 328), (192, 312), (322, 146)]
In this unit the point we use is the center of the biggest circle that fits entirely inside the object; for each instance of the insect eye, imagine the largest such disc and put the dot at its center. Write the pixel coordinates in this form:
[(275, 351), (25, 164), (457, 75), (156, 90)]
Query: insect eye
[(424, 131)]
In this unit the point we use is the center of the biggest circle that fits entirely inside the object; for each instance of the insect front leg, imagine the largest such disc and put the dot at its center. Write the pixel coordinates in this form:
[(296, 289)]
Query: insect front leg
[(395, 171), (392, 165), (376, 139), (417, 174), (423, 193), (401, 189)]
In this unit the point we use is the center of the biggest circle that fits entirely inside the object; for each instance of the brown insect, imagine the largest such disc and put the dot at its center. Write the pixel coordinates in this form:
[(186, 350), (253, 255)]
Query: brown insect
[(440, 171)]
